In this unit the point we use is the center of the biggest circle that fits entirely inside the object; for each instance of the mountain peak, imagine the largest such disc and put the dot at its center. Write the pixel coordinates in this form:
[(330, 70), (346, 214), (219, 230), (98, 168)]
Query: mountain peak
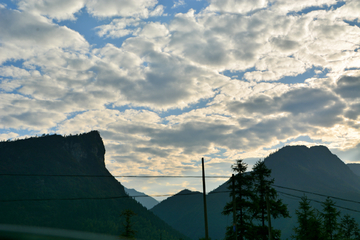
[(186, 192), (312, 165)]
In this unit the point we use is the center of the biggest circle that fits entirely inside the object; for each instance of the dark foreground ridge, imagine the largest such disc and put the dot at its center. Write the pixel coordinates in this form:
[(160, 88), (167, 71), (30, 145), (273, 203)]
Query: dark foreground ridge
[(72, 155)]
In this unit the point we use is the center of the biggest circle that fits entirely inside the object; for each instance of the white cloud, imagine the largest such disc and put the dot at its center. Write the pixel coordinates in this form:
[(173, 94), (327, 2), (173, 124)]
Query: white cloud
[(24, 35), (20, 112), (160, 99), (286, 6), (132, 26), (349, 11), (123, 8), (58, 9), (236, 6), (6, 136), (66, 9), (119, 27), (154, 30), (166, 82), (14, 72), (274, 68), (158, 11), (178, 3)]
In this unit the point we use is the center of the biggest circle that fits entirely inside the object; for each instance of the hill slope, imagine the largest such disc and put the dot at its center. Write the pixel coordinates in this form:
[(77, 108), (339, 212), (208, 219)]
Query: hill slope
[(185, 212), (313, 169), (142, 198), (36, 196), (354, 167)]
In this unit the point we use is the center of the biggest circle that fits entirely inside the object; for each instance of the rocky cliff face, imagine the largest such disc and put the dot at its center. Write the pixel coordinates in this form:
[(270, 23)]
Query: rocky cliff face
[(87, 149), (33, 193), (54, 154)]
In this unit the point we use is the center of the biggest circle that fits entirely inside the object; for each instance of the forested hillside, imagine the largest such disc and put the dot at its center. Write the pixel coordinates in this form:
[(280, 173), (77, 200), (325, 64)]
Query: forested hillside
[(33, 193), (297, 171)]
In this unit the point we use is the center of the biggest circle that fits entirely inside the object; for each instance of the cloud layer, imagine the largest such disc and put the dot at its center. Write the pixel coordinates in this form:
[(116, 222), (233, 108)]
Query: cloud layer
[(235, 79)]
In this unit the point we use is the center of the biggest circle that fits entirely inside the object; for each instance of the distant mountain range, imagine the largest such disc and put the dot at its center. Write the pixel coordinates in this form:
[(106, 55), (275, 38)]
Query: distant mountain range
[(142, 198), (33, 193), (298, 168)]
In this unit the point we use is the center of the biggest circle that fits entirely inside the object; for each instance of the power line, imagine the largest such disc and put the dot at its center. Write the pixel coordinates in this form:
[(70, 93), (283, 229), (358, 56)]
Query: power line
[(349, 209), (158, 195), (318, 194), (104, 176), (145, 176), (101, 198)]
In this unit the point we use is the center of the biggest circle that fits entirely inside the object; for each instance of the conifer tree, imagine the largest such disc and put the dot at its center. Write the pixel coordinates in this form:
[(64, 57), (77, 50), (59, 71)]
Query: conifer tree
[(330, 215), (243, 193), (262, 189), (129, 231), (348, 229), (309, 223)]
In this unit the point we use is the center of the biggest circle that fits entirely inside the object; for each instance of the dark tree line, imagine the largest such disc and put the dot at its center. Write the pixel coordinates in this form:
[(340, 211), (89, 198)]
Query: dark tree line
[(256, 202), (324, 225)]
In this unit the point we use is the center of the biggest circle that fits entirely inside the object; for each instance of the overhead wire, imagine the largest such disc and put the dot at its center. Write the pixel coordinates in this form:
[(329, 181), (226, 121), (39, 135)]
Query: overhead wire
[(161, 176), (105, 176), (317, 201), (158, 195), (161, 195), (103, 198), (318, 194)]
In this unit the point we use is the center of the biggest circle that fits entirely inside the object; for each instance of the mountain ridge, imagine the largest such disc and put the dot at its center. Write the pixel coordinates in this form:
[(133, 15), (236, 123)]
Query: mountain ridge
[(313, 169), (142, 198), (56, 186)]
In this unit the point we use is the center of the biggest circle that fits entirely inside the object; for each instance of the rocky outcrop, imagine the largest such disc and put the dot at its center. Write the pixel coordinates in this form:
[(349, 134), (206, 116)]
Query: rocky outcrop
[(53, 181)]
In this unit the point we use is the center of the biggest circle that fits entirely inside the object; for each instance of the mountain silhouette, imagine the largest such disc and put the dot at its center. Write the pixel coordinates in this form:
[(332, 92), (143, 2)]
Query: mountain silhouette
[(183, 211), (142, 198), (84, 197), (294, 168), (314, 168)]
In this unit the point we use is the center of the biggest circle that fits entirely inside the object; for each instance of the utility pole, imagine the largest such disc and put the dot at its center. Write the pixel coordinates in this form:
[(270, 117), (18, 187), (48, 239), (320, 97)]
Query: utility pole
[(204, 197), (268, 215), (234, 206)]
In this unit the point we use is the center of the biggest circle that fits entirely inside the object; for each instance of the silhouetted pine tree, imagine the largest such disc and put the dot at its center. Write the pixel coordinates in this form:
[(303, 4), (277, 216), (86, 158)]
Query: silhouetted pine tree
[(309, 222), (349, 229), (330, 215), (129, 231), (262, 188), (243, 192)]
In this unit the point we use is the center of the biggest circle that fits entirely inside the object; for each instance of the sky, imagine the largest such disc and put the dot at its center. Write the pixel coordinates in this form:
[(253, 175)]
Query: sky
[(167, 82)]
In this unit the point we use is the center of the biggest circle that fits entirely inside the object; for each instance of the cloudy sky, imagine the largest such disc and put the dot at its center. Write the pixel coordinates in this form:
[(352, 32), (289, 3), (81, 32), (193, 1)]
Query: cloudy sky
[(169, 82)]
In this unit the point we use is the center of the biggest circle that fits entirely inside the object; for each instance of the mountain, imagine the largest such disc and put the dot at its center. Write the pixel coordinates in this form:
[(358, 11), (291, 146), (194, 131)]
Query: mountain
[(185, 212), (142, 198), (86, 197), (182, 211), (355, 168), (316, 170), (313, 169)]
